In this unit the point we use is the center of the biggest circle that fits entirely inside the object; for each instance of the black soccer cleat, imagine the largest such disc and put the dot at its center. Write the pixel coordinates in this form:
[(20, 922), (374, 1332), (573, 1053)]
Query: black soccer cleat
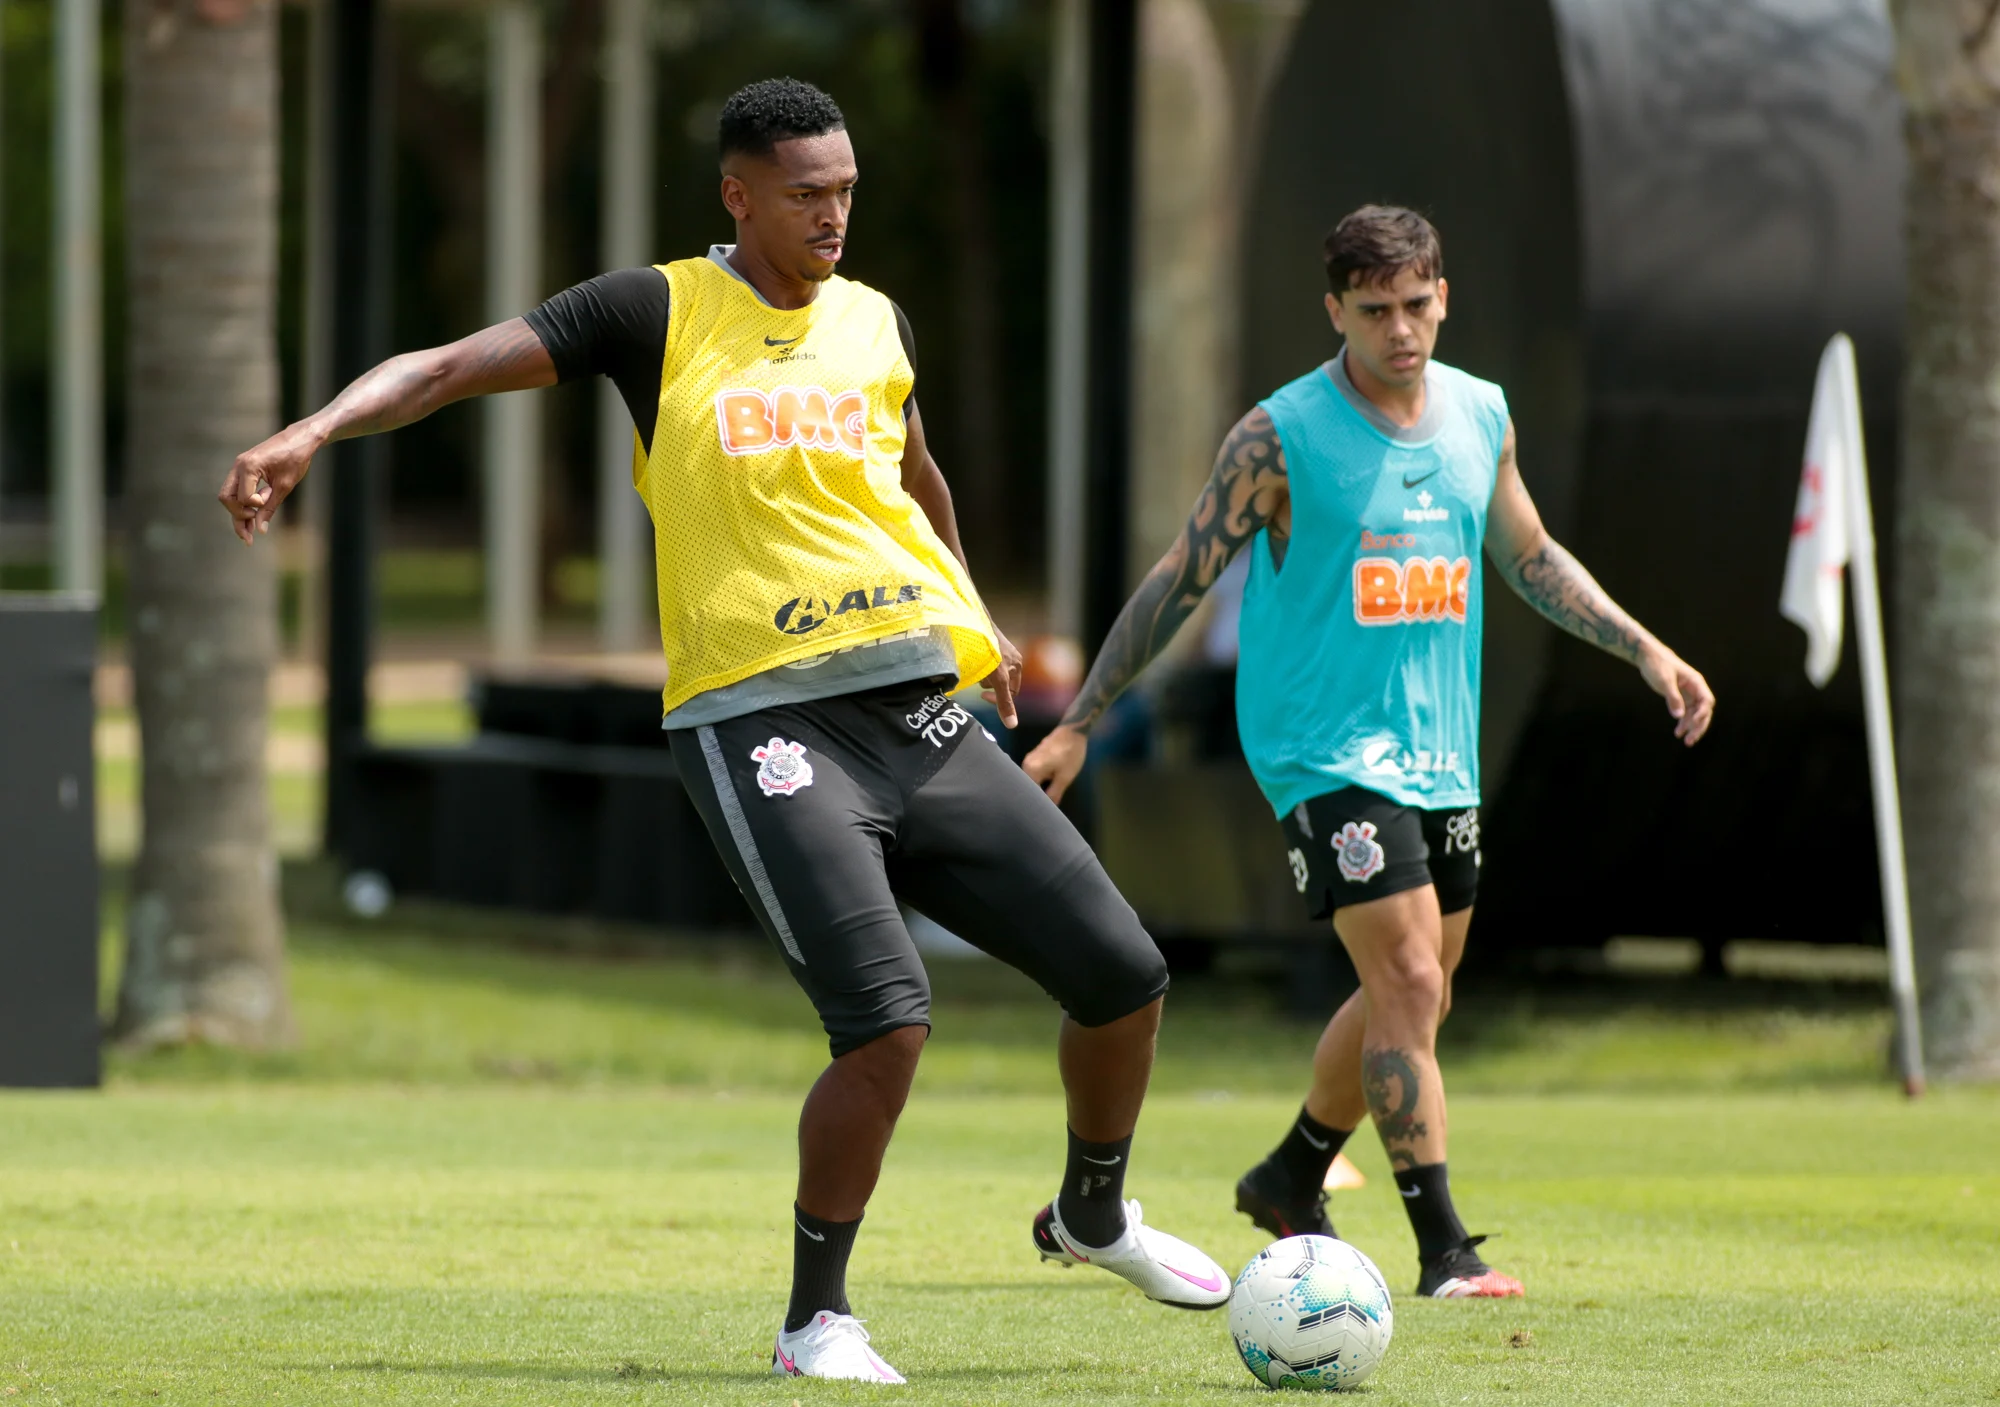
[(1460, 1274), (1266, 1196)]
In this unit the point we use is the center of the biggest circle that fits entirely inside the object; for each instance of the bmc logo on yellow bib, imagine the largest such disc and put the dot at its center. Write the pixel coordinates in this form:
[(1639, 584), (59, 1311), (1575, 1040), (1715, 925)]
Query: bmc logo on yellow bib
[(810, 417)]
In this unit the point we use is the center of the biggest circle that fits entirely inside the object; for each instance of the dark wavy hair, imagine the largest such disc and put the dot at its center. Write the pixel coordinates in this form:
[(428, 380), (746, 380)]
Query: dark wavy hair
[(1377, 242), (757, 118)]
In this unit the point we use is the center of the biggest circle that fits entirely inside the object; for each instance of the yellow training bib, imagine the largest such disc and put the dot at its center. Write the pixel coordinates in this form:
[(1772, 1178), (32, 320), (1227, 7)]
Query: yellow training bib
[(781, 527)]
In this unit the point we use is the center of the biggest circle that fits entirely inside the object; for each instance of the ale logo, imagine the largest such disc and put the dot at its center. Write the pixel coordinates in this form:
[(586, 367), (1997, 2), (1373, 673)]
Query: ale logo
[(802, 615), (809, 417), (1388, 592)]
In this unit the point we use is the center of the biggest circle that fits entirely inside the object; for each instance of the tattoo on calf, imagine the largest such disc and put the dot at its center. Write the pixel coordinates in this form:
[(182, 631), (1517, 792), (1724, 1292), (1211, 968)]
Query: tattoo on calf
[(1389, 1080)]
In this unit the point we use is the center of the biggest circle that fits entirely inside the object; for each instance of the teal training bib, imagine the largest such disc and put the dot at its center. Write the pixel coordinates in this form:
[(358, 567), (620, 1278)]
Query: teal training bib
[(1359, 659)]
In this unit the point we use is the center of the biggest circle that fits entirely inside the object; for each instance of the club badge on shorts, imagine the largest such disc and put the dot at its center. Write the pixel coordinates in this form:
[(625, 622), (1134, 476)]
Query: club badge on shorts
[(782, 767), (1360, 854)]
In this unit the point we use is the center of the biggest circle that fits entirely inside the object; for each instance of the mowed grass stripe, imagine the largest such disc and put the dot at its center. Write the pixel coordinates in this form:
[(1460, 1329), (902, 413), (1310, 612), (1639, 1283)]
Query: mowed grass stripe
[(307, 1244)]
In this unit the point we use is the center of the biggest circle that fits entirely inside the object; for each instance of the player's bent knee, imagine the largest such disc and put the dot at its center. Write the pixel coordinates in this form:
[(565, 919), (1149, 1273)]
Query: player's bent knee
[(1130, 978), (1410, 986)]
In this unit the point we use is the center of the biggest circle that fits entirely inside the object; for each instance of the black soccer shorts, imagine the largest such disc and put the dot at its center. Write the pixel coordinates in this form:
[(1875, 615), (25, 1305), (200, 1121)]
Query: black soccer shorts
[(1353, 845), (827, 812)]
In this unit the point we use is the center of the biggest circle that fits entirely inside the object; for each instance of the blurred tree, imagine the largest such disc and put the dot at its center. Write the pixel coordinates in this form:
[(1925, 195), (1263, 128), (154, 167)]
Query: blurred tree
[(1948, 524), (204, 936)]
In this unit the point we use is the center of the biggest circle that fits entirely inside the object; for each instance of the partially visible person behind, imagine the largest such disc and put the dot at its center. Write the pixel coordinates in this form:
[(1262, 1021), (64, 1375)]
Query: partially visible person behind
[(817, 612), (1365, 492)]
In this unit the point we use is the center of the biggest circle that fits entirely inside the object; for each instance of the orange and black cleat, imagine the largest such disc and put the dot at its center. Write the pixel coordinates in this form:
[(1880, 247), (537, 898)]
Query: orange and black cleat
[(1459, 1274)]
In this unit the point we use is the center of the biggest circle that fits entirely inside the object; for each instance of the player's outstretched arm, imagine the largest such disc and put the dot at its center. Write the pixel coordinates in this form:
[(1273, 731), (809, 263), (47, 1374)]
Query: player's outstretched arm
[(1547, 577), (505, 357), (924, 481), (1246, 493)]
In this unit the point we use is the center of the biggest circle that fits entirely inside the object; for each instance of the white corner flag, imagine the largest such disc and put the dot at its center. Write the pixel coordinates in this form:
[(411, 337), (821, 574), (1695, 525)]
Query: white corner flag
[(1815, 568), (1833, 529)]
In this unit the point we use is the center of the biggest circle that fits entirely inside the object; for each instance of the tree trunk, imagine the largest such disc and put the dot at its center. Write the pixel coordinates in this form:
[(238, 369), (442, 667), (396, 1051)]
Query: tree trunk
[(1948, 528), (204, 938)]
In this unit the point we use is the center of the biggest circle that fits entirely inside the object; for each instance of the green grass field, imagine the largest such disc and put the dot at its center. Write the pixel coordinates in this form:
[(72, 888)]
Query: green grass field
[(498, 1173)]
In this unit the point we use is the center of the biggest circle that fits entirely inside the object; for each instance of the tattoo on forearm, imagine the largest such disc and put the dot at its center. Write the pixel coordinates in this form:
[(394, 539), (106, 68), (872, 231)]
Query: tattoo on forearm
[(1390, 1084), (1242, 497), (1555, 584)]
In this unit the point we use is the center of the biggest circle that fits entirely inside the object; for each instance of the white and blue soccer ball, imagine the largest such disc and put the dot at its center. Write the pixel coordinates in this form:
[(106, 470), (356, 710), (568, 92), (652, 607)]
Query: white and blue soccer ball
[(1311, 1312)]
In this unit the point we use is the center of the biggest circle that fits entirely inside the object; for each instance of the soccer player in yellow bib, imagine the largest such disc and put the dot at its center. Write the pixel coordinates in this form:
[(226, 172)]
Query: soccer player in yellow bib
[(817, 614)]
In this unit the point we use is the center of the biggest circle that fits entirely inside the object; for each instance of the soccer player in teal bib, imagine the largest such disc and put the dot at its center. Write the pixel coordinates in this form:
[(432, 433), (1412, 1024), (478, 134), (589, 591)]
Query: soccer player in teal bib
[(1365, 492)]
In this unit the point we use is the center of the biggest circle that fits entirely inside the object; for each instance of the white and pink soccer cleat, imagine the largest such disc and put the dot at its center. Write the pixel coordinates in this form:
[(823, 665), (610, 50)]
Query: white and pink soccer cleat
[(1164, 1267), (831, 1346)]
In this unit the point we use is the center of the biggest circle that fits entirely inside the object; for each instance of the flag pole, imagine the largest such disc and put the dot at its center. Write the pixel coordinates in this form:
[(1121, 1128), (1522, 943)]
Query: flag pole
[(1881, 750)]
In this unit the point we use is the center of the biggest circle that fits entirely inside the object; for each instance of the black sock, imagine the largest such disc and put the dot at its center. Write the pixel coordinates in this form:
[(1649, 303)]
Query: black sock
[(819, 1266), (1427, 1198), (1092, 1203), (1308, 1151)]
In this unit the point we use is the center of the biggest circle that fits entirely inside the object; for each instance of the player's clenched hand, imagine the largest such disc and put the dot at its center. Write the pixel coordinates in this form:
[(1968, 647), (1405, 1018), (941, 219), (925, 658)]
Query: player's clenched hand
[(264, 476), (1005, 682), (1056, 760), (1689, 699)]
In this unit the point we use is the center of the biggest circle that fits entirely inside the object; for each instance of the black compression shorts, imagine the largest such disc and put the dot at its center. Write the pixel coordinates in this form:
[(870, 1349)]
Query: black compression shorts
[(1354, 845), (827, 812)]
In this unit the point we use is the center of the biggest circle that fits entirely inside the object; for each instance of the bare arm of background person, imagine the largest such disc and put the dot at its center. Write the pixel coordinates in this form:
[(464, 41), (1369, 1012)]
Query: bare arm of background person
[(924, 481), (505, 357), (1247, 492), (1544, 575)]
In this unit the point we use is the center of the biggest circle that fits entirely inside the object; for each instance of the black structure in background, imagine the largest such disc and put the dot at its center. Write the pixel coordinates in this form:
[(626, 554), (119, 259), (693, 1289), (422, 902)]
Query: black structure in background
[(359, 181), (48, 843), (1654, 215), (1114, 76)]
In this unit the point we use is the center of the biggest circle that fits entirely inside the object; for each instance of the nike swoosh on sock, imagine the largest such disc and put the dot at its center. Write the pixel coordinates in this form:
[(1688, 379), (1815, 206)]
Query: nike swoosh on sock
[(1317, 1143), (1103, 1162), (817, 1237), (1410, 1192)]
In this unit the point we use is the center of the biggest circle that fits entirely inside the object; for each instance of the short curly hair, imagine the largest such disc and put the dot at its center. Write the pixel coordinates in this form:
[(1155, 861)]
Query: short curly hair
[(756, 118)]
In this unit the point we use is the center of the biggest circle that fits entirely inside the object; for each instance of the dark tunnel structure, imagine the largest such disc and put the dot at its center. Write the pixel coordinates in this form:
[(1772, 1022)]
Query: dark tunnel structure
[(1654, 214)]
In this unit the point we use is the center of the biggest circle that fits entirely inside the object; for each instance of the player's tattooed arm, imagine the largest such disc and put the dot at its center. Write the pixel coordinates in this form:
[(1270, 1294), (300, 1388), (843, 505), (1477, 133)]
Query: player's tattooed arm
[(1246, 493), (1543, 573), (505, 357)]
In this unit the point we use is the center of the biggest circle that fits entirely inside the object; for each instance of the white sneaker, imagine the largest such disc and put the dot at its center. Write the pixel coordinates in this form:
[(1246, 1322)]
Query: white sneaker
[(831, 1346), (1165, 1267)]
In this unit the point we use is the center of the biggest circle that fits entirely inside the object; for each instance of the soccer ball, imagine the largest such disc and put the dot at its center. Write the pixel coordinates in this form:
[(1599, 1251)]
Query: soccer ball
[(1311, 1312)]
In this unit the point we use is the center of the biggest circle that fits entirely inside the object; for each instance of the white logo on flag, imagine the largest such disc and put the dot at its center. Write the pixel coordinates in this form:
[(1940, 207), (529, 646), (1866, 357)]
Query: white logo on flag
[(1815, 567)]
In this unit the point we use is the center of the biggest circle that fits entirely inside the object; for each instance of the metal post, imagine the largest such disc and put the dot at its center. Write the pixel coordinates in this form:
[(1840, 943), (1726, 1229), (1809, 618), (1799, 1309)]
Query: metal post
[(77, 490), (622, 540), (358, 186), (512, 423), (316, 352), (1069, 324), (1113, 91)]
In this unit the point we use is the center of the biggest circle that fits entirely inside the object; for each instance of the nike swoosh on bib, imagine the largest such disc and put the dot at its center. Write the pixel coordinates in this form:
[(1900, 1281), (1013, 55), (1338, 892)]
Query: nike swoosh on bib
[(787, 341), (1408, 482)]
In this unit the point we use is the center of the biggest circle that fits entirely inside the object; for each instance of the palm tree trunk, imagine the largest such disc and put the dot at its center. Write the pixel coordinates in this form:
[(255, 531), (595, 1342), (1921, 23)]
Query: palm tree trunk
[(204, 938), (1948, 530)]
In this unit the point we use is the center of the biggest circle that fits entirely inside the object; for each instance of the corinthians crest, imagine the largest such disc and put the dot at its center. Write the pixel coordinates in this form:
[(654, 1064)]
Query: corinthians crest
[(1361, 857), (782, 768)]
